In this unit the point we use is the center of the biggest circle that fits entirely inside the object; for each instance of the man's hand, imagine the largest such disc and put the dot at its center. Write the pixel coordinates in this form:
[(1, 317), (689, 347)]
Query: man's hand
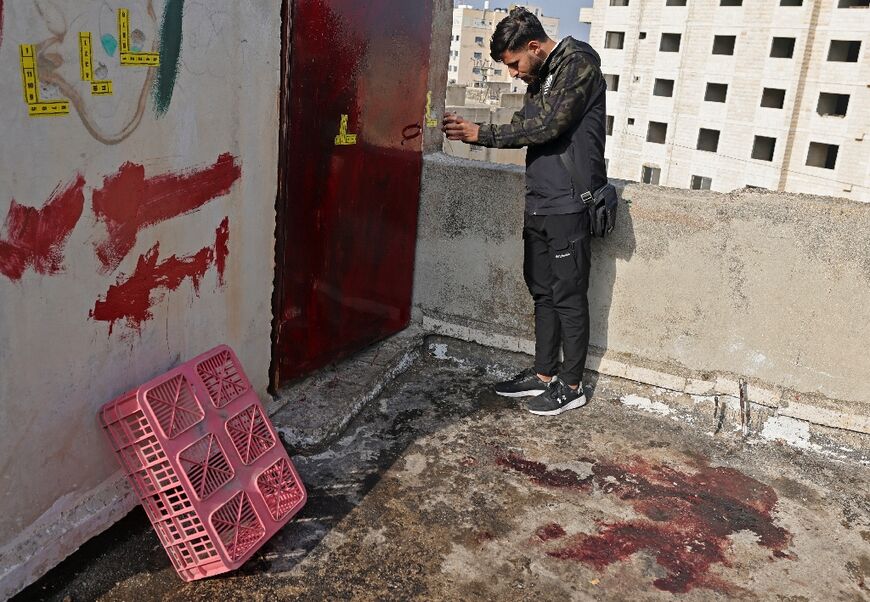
[(457, 128)]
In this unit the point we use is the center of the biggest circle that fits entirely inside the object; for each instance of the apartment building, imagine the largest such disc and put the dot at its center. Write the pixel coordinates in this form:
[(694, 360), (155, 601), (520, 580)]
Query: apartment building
[(470, 63), (723, 94)]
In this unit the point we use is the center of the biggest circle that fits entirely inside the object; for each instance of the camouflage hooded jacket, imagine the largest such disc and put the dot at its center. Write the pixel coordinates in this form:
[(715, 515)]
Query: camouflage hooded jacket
[(564, 111)]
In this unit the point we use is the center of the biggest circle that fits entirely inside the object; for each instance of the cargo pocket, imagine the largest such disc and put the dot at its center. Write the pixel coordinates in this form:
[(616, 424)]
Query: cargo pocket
[(563, 256)]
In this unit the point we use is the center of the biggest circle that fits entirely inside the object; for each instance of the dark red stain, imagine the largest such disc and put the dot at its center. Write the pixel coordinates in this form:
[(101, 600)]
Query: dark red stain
[(222, 249), (36, 237), (132, 299), (551, 531), (689, 518), (129, 202), (541, 475), (1, 22)]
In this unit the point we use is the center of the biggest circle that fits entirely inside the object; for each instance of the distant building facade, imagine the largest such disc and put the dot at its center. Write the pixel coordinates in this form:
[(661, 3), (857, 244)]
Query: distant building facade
[(722, 94), (470, 63)]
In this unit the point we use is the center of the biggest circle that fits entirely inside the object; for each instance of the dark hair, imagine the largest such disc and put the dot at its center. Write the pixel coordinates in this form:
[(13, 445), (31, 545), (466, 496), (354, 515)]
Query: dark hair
[(515, 31)]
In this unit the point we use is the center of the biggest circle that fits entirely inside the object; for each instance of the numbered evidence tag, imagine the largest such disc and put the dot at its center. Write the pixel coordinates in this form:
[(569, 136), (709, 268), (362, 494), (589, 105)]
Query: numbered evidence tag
[(431, 122), (128, 57), (343, 138), (98, 87), (30, 80)]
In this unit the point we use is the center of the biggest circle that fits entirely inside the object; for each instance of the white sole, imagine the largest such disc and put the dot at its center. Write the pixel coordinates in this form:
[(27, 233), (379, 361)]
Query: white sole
[(577, 403), (532, 393)]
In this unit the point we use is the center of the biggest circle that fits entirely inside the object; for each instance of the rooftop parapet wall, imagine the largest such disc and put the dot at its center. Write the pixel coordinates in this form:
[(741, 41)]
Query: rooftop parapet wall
[(694, 290)]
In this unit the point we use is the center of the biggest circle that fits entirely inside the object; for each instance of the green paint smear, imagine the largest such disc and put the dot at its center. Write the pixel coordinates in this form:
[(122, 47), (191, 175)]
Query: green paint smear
[(170, 53)]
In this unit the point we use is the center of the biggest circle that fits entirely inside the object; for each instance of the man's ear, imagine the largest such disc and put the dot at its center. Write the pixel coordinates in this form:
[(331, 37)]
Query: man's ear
[(534, 46)]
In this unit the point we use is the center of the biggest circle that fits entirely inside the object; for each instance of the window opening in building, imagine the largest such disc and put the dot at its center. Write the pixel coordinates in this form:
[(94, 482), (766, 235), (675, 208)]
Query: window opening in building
[(782, 48), (642, 35), (614, 39), (834, 105), (730, 2), (657, 132), (663, 87), (701, 183), (724, 44), (844, 51), (853, 4), (670, 42), (716, 92), (478, 55), (791, 2), (650, 175), (822, 155), (618, 2), (610, 125), (708, 140), (612, 81), (773, 98), (631, 121), (675, 3), (763, 148), (498, 71), (478, 40)]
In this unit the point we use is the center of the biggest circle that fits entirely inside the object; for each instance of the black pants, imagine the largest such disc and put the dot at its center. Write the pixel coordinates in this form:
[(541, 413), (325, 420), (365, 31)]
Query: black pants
[(556, 269)]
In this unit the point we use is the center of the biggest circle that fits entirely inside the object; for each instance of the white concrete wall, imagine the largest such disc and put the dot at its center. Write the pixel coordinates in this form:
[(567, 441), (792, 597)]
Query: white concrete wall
[(59, 482)]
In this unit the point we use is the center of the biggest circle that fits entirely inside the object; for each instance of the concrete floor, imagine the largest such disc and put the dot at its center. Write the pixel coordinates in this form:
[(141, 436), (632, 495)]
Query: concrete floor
[(440, 490)]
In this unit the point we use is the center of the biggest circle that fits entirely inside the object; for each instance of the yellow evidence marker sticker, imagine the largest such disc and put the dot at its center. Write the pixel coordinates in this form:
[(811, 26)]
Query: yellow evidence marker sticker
[(128, 57), (99, 87), (343, 138), (30, 81), (431, 122)]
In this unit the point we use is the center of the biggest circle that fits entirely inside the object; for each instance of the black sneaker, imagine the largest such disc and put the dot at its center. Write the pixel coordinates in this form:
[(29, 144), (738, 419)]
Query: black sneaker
[(557, 399), (524, 384)]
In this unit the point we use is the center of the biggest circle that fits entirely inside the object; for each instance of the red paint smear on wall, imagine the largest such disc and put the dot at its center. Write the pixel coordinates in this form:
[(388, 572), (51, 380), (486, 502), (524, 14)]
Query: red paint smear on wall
[(132, 299), (129, 202), (37, 237), (222, 249)]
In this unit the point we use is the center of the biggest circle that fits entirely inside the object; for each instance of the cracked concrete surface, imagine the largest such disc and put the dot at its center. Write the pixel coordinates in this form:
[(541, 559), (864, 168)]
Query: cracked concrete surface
[(440, 490)]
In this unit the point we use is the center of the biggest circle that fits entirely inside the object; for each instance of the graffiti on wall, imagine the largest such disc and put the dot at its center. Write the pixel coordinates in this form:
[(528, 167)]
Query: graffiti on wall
[(132, 298), (41, 66), (128, 201), (36, 238)]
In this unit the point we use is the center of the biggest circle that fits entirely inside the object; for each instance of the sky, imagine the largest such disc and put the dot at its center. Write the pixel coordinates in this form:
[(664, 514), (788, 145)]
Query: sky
[(568, 12)]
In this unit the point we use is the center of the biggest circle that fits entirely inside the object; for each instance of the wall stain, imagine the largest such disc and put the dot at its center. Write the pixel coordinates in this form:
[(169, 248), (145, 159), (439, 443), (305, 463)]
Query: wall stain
[(37, 237), (132, 299), (129, 202), (170, 53), (687, 524)]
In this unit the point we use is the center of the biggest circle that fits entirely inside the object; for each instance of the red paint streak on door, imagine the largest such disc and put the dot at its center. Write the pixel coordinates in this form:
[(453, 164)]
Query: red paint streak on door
[(131, 299), (129, 202), (37, 237), (348, 214)]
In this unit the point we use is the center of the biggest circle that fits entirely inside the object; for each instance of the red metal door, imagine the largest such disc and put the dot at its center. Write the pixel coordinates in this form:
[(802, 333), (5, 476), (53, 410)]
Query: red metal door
[(350, 183)]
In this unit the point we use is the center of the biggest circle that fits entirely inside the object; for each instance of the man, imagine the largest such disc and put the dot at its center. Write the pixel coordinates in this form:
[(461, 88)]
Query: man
[(563, 114)]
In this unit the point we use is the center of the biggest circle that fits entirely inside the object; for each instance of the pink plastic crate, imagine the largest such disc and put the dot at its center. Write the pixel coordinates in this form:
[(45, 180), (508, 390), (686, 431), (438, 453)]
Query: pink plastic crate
[(206, 463)]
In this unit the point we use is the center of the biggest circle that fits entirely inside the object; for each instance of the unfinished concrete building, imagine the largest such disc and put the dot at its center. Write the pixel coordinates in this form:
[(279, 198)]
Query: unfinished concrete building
[(723, 94)]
